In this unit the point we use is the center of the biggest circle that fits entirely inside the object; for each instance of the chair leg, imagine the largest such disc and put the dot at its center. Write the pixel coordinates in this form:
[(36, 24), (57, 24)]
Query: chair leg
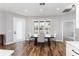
[(29, 42)]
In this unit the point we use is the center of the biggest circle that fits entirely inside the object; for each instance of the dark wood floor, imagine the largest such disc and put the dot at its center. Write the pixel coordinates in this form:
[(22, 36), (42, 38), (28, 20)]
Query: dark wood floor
[(26, 49)]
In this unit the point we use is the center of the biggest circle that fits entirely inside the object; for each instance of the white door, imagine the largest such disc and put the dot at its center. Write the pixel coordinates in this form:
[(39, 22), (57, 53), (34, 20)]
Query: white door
[(68, 31), (19, 29)]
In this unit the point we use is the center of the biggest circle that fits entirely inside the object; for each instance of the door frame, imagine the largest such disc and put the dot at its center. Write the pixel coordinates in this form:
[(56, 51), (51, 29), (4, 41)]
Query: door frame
[(14, 40), (63, 27)]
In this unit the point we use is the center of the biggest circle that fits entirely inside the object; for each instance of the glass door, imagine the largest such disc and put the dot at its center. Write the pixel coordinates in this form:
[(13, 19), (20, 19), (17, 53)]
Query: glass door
[(68, 31), (41, 26), (36, 28), (47, 27)]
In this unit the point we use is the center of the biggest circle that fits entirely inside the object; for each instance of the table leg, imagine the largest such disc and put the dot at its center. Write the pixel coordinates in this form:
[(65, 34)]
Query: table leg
[(49, 42), (35, 43), (2, 39)]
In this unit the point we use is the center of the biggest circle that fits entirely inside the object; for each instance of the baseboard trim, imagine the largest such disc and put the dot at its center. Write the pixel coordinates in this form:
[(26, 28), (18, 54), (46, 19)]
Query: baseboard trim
[(27, 40), (9, 43), (13, 42), (59, 40)]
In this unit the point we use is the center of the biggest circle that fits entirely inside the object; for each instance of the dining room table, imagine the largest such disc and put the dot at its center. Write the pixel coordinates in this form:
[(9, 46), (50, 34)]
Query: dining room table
[(48, 37)]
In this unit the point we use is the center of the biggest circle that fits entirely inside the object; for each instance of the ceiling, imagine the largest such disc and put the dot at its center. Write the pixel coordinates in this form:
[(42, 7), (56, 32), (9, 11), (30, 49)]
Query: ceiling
[(34, 9)]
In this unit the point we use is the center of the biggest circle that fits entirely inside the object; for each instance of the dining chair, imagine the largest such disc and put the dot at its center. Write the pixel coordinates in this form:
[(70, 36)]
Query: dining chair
[(29, 38), (53, 40), (55, 35), (41, 40), (46, 39)]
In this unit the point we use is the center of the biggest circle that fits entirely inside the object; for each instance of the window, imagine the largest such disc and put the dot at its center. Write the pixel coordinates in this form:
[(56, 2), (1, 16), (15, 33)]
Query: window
[(42, 25), (36, 25)]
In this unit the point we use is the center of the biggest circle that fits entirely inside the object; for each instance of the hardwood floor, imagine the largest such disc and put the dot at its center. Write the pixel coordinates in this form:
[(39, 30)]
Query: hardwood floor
[(29, 49)]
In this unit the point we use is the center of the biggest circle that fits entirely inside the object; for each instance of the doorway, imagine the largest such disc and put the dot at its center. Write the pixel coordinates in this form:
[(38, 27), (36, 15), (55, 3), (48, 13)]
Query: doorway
[(68, 31), (19, 29)]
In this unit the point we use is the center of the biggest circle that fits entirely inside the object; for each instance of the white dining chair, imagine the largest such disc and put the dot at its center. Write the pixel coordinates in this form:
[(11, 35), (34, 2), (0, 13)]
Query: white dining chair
[(41, 39), (47, 35), (28, 38), (52, 40), (55, 35)]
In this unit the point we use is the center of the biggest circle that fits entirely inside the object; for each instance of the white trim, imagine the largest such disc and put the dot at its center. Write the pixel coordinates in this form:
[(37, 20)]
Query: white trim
[(13, 42), (9, 43), (62, 31), (59, 40)]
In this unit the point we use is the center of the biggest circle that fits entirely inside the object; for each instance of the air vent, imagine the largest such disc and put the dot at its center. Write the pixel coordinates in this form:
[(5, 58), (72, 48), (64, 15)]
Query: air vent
[(68, 9), (42, 3)]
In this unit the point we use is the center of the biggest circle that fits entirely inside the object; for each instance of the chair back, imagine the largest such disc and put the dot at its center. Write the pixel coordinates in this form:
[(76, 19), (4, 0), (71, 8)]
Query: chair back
[(55, 35), (28, 35), (41, 38)]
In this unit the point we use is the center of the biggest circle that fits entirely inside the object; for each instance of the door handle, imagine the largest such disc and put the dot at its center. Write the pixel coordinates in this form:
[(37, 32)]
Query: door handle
[(14, 32)]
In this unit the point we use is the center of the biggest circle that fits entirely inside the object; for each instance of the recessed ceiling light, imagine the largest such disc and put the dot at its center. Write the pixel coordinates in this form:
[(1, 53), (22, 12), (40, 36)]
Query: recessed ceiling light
[(58, 9), (26, 10), (41, 9), (42, 3)]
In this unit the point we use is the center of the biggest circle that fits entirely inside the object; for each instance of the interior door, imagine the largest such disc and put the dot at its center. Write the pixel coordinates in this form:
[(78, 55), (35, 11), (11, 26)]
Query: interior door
[(68, 31), (19, 29)]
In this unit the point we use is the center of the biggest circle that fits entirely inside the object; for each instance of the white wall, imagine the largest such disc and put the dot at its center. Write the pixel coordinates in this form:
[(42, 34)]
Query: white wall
[(6, 24), (9, 28), (2, 23), (10, 25), (59, 20), (77, 24), (30, 22), (58, 28), (56, 24)]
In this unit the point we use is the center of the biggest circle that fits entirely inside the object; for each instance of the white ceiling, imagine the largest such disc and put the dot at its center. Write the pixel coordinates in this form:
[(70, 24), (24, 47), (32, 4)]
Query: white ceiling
[(33, 9)]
